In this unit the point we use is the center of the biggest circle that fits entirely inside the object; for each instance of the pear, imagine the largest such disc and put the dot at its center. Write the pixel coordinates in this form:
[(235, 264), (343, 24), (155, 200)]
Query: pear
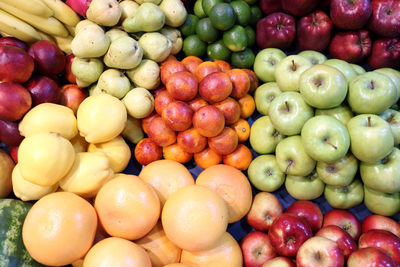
[(113, 82), (123, 53), (115, 33), (87, 69), (139, 103), (81, 24), (155, 46), (90, 41), (104, 12), (174, 11), (149, 18), (156, 2), (176, 38), (146, 75), (133, 130), (95, 90), (81, 84), (129, 9)]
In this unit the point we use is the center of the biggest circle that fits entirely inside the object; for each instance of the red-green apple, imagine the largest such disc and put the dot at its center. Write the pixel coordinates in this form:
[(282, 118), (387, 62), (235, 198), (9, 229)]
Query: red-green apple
[(257, 249), (345, 220), (345, 242), (380, 222), (370, 257), (309, 212), (279, 262)]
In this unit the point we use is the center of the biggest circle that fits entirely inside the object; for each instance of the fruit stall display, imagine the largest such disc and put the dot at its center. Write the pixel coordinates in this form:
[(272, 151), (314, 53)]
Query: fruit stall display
[(199, 133)]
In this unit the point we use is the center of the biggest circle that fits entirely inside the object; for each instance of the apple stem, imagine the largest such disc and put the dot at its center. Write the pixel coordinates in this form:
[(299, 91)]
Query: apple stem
[(293, 66), (329, 143), (369, 121), (371, 85), (385, 160), (275, 133), (390, 119), (290, 163), (287, 106)]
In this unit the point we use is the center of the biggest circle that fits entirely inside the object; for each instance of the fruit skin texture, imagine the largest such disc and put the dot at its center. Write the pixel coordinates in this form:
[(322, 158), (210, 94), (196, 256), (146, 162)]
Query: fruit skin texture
[(309, 212), (352, 46), (345, 220), (43, 90), (385, 53), (257, 249), (15, 101), (314, 31), (385, 19), (49, 59), (370, 257), (15, 64), (344, 240), (299, 7), (380, 222), (9, 133), (350, 14)]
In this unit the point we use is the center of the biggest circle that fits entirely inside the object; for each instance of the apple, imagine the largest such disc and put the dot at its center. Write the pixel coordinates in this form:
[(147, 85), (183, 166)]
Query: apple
[(287, 233), (380, 222), (352, 46), (340, 172), (257, 249), (288, 112), (299, 7), (345, 242), (270, 6), (345, 197), (288, 71), (264, 95), (345, 220), (358, 69), (263, 136), (9, 133), (72, 96), (323, 86), (15, 101), (146, 151), (370, 257), (15, 64), (279, 262), (343, 66), (265, 63), (304, 187), (319, 251), (374, 200), (341, 112), (385, 18), (43, 90), (350, 15), (178, 115), (276, 30), (394, 75), (67, 72), (385, 53), (313, 56), (308, 211), (265, 208), (9, 40), (265, 174), (371, 137), (13, 150), (48, 57), (314, 31)]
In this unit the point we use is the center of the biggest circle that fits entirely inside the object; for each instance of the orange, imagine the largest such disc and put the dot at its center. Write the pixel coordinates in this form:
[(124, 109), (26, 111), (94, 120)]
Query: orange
[(207, 158), (194, 218), (226, 252), (116, 252), (223, 65), (170, 67), (191, 63), (178, 265), (59, 229), (242, 129), (232, 185), (159, 248), (253, 80), (240, 158), (205, 68), (240, 81), (166, 176), (175, 152), (247, 106), (127, 207), (169, 58)]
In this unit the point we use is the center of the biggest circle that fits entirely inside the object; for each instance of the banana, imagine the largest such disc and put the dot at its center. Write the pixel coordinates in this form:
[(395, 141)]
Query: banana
[(46, 36), (13, 26), (64, 43), (34, 7), (48, 25), (63, 12), (71, 30)]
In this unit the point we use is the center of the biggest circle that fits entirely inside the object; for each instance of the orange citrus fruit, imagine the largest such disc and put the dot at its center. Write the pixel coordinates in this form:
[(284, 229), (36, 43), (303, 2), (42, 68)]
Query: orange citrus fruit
[(223, 65), (247, 106), (176, 153), (191, 63), (240, 158), (242, 129), (205, 68), (207, 158)]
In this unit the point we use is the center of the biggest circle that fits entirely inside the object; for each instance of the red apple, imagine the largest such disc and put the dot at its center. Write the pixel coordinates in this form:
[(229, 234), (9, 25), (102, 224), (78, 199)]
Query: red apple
[(178, 115), (350, 14), (287, 233), (15, 64), (48, 57), (324, 5), (146, 151), (345, 220), (353, 46), (15, 101), (257, 249), (13, 150), (67, 72), (9, 133), (370, 257), (385, 53), (270, 6), (380, 222), (79, 6), (344, 240), (299, 7), (385, 18), (314, 31), (319, 251), (309, 212), (43, 90), (72, 96), (383, 240), (276, 30), (279, 262), (8, 40)]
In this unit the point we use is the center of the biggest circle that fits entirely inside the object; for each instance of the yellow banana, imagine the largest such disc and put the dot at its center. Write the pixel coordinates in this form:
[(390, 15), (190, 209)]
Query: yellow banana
[(63, 12), (48, 25), (71, 30), (64, 43), (34, 7), (46, 36), (13, 26)]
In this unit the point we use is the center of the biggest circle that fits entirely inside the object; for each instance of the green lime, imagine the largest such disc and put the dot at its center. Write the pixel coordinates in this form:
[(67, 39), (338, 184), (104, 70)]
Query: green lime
[(242, 11), (243, 59), (193, 46), (251, 2), (218, 51), (251, 36), (209, 4), (198, 9), (222, 16), (235, 39), (256, 15), (189, 26), (206, 31)]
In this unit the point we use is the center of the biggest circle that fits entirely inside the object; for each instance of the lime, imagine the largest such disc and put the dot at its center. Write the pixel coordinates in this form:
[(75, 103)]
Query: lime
[(251, 2), (251, 36), (209, 4), (189, 26), (222, 16), (242, 11), (218, 51), (193, 46), (206, 31), (235, 39), (243, 59), (198, 9), (255, 15)]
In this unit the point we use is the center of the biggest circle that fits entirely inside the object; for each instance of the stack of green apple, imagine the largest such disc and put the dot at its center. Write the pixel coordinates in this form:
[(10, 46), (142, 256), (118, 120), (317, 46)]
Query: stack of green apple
[(327, 128)]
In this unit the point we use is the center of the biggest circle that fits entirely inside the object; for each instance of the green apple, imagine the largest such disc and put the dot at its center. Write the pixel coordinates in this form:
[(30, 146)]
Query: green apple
[(304, 187), (340, 172), (393, 118), (288, 113), (264, 173), (394, 75), (372, 93), (343, 66), (264, 95), (342, 113), (114, 82), (371, 137), (292, 158), (381, 203), (313, 56), (87, 70), (325, 138), (265, 63), (323, 86), (288, 71), (384, 175), (358, 69), (345, 197), (263, 136)]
